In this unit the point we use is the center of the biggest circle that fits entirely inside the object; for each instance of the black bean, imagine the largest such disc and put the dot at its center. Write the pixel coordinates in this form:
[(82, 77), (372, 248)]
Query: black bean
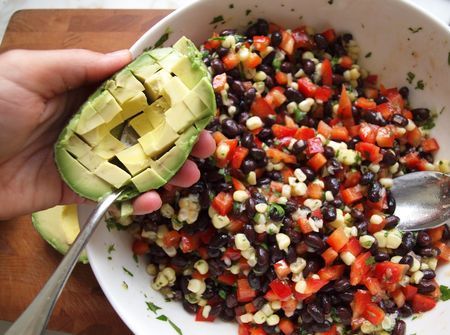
[(216, 266), (423, 239), (217, 66), (309, 173), (347, 297), (249, 232), (314, 241), (231, 300), (332, 184), (399, 328), (408, 241), (238, 88), (299, 147), (334, 167), (230, 128), (190, 308), (381, 256), (321, 41), (420, 115), (247, 140), (286, 67), (381, 99), (275, 214), (399, 120), (405, 311), (305, 316), (257, 153), (267, 69), (329, 213), (328, 152), (316, 312), (338, 79), (293, 95), (391, 222), (352, 143), (374, 118), (344, 314), (408, 260), (342, 285), (265, 134), (308, 66), (362, 227), (275, 39), (374, 192), (337, 202), (291, 206), (213, 252), (336, 299), (446, 233), (321, 327), (248, 165), (326, 304), (429, 252), (222, 51), (404, 92), (262, 259), (254, 280), (219, 240), (389, 158), (391, 204), (269, 82), (347, 37), (262, 26), (242, 118), (312, 266), (388, 305), (428, 274), (179, 261), (425, 287), (270, 330)]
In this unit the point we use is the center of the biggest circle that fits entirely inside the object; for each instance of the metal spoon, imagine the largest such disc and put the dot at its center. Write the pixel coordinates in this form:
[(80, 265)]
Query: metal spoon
[(35, 318), (423, 200)]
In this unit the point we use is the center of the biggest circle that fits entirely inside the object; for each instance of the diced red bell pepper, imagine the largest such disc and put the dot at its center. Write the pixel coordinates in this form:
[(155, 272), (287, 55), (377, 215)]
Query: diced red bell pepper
[(386, 110), (314, 191), (244, 292), (345, 105), (398, 297), (430, 145), (199, 316), (289, 306), (385, 137), (223, 203), (316, 162), (189, 243), (261, 42), (304, 133), (244, 329), (304, 226), (286, 326), (281, 78), (323, 93), (369, 151), (260, 107), (365, 103), (329, 256), (271, 295), (330, 35), (287, 42), (306, 87), (359, 268), (279, 156), (414, 137), (351, 178), (436, 233), (390, 273), (302, 39), (352, 194), (281, 289), (237, 184), (396, 100), (171, 238), (257, 331), (409, 291), (227, 278), (313, 146), (338, 239), (282, 269), (313, 285), (238, 157), (361, 300), (373, 285), (339, 133), (252, 61), (280, 131), (235, 225), (230, 61), (330, 273), (327, 72), (324, 129), (140, 247), (445, 251), (373, 314), (368, 132), (422, 303), (275, 97), (352, 247), (213, 42), (345, 61)]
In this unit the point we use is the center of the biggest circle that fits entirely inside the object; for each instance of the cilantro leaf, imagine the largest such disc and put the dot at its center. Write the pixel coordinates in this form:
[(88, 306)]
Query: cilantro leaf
[(370, 260), (128, 272), (174, 326), (410, 77), (152, 307), (445, 292), (217, 19), (162, 317)]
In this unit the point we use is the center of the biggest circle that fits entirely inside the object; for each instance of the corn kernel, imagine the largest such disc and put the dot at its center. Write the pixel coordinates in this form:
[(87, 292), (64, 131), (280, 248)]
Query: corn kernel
[(283, 241), (254, 122), (240, 196), (241, 242)]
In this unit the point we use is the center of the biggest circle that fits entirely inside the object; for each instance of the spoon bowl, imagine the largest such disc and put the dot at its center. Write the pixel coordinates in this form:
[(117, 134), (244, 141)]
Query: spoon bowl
[(422, 200)]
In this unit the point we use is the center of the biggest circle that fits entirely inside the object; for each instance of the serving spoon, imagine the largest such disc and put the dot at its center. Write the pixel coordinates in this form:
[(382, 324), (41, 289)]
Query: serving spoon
[(423, 202)]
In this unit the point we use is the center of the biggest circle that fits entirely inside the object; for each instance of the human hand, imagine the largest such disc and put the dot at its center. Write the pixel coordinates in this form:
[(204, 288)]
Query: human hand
[(40, 90)]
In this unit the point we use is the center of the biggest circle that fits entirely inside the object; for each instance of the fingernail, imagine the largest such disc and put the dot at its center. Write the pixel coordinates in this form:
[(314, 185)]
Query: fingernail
[(119, 53)]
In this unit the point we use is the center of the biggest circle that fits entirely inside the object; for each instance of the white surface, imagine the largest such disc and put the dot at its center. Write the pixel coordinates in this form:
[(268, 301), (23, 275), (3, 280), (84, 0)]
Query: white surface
[(439, 8), (395, 51)]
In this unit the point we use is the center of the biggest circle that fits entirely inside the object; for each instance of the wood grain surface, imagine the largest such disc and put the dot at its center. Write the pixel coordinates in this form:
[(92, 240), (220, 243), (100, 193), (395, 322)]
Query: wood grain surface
[(26, 261)]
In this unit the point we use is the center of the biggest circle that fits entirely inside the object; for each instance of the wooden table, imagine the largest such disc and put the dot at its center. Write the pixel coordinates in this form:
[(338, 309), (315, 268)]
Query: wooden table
[(26, 261)]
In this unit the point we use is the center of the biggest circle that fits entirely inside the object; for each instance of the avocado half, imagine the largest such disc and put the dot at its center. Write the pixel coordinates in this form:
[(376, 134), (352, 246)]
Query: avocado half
[(59, 226), (138, 128)]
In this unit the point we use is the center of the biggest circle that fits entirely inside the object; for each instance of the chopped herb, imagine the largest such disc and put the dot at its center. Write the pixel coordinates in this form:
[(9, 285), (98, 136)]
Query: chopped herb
[(299, 115), (162, 317), (111, 248), (330, 2), (222, 294), (217, 19), (429, 124), (166, 299), (135, 257), (231, 6), (247, 12), (416, 316), (414, 30), (410, 77), (276, 63), (175, 327), (445, 292), (264, 246), (111, 223), (448, 58), (125, 285), (218, 38), (128, 272), (370, 260), (420, 85), (368, 54), (278, 208), (164, 37), (152, 307), (109, 258)]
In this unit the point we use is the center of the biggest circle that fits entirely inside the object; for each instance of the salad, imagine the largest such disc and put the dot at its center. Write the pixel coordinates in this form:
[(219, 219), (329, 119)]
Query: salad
[(291, 228)]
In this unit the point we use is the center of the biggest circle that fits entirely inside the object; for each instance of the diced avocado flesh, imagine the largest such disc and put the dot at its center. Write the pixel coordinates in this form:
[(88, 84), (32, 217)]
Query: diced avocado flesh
[(139, 127), (59, 226)]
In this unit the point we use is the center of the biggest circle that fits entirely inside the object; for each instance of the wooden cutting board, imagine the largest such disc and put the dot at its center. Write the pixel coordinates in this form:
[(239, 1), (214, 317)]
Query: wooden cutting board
[(26, 261)]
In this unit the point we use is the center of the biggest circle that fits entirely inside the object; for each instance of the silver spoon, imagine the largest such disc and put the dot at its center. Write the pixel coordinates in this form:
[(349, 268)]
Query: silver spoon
[(35, 318), (423, 200)]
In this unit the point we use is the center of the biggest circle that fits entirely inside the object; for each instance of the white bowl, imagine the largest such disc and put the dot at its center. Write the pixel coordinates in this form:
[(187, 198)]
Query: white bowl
[(383, 28)]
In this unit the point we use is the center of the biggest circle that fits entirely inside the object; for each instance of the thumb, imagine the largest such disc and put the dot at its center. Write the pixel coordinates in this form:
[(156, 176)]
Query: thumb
[(49, 73)]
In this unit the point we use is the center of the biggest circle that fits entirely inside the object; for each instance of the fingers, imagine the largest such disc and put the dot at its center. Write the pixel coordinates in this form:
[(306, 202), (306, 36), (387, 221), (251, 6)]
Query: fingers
[(188, 175), (205, 145), (52, 72), (147, 203)]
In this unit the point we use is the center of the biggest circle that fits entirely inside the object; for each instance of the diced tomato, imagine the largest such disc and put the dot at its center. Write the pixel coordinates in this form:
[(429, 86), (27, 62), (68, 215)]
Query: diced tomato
[(327, 72), (353, 246), (346, 62), (279, 156), (369, 151), (412, 160), (313, 146), (281, 289), (385, 137), (304, 225), (345, 105), (313, 285), (390, 273), (329, 256), (213, 42), (171, 238), (238, 157), (338, 239), (330, 273), (409, 291), (314, 191), (352, 178), (282, 269), (386, 110), (237, 184), (280, 131), (316, 162), (330, 35), (252, 61), (365, 103), (227, 278), (281, 78), (395, 99), (302, 40), (373, 285), (304, 133), (198, 275), (231, 146), (352, 194), (373, 314), (398, 297), (286, 326), (339, 133), (230, 61), (140, 247), (436, 233), (271, 295), (289, 306), (235, 225), (223, 203), (371, 93), (232, 254), (430, 145), (287, 42), (189, 243), (323, 93), (445, 251), (307, 87), (219, 82), (414, 137), (244, 292), (257, 331), (199, 316), (260, 107), (361, 300), (422, 303), (368, 132), (243, 329), (261, 43), (324, 129), (359, 268)]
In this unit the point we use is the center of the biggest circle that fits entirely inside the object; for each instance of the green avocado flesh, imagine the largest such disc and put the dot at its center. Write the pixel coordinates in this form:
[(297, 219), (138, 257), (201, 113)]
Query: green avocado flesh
[(59, 227), (139, 127)]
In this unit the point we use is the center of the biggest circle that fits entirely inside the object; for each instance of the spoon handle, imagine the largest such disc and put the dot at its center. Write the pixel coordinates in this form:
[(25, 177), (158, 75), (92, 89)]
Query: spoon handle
[(35, 318)]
